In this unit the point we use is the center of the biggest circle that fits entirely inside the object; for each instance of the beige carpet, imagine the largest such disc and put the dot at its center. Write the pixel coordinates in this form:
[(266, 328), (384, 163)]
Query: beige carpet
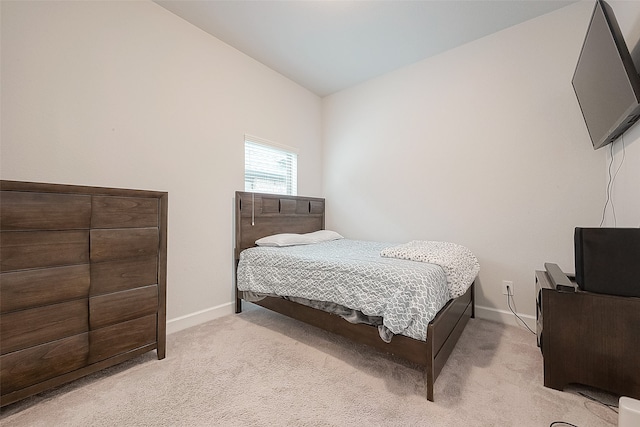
[(262, 369)]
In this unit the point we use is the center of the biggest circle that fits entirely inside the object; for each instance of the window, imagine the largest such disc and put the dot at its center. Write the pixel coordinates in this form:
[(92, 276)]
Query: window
[(269, 168)]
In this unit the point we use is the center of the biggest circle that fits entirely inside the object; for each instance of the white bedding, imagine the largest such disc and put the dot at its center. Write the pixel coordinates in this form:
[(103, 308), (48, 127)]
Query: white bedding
[(458, 262)]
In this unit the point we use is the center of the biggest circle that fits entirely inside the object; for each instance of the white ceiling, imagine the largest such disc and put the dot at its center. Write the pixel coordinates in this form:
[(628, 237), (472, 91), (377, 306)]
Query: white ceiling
[(326, 46)]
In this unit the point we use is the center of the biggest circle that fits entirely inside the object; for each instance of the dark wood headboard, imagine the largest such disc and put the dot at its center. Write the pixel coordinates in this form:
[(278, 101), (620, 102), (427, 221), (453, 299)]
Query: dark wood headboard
[(259, 215)]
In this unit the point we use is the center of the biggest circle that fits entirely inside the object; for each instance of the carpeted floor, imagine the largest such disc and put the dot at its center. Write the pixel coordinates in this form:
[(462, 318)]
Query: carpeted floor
[(262, 369)]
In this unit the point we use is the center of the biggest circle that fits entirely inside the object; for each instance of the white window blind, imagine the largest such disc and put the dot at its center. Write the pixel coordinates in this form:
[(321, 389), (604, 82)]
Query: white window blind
[(268, 169)]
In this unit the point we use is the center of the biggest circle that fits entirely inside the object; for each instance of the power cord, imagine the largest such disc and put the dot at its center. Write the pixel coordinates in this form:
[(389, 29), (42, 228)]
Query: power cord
[(614, 408), (611, 182), (594, 399), (509, 296)]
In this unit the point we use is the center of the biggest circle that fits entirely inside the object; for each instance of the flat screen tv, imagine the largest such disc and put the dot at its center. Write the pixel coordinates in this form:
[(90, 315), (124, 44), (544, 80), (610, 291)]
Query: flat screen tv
[(605, 80)]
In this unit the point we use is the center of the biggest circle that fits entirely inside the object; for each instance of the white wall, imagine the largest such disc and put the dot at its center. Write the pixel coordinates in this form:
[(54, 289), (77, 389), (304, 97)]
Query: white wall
[(624, 209), (483, 145), (126, 94)]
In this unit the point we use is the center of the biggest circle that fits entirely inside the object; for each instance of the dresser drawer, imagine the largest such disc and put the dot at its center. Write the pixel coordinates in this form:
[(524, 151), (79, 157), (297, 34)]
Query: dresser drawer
[(33, 288), (44, 211), (113, 276), (34, 249), (36, 364), (117, 307), (119, 212), (27, 328), (121, 337), (112, 244)]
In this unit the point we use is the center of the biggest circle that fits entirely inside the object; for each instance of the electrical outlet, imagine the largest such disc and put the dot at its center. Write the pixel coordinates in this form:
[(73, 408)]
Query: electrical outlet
[(507, 287)]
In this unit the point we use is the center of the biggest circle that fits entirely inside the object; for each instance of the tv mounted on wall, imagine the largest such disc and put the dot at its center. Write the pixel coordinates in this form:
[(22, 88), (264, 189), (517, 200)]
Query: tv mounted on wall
[(605, 80)]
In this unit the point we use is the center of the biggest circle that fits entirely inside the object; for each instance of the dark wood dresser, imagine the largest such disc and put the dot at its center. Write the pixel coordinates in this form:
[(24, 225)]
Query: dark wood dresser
[(588, 338), (82, 282)]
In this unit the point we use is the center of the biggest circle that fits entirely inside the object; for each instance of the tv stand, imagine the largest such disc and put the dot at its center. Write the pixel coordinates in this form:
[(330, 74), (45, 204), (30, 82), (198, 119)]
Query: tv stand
[(588, 338)]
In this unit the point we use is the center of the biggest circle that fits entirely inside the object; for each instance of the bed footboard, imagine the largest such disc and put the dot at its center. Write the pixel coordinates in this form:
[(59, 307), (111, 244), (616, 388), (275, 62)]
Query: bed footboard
[(442, 334)]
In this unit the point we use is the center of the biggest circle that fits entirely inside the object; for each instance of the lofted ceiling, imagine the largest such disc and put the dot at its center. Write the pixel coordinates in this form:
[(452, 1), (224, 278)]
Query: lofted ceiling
[(326, 46)]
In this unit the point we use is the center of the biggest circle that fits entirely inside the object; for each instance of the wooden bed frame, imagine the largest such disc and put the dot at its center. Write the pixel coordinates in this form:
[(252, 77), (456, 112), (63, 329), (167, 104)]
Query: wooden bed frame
[(259, 215)]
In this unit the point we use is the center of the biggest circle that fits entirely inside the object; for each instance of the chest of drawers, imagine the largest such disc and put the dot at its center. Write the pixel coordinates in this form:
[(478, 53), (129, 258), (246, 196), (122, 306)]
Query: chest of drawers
[(82, 282)]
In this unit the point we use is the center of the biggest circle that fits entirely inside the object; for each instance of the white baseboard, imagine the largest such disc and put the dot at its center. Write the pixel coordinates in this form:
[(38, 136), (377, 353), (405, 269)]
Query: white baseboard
[(202, 316), (506, 317)]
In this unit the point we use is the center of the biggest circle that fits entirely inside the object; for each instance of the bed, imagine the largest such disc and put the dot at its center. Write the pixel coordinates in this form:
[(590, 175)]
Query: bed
[(259, 215)]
